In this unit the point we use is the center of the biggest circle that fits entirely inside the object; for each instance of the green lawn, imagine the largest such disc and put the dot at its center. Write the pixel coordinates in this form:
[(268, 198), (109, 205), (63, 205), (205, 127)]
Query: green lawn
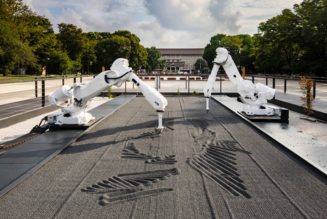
[(24, 78)]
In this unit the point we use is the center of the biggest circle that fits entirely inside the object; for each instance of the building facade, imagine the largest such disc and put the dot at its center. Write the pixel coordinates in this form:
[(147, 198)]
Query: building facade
[(180, 60)]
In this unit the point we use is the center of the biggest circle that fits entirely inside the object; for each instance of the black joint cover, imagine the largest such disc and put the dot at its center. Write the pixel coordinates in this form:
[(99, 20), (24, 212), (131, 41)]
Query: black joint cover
[(284, 115)]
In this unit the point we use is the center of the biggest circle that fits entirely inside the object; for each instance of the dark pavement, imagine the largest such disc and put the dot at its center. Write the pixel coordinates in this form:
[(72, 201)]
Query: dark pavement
[(227, 170), (11, 109)]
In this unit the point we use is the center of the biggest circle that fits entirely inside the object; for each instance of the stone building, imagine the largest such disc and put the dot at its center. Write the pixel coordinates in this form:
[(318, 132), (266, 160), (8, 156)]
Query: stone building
[(180, 60)]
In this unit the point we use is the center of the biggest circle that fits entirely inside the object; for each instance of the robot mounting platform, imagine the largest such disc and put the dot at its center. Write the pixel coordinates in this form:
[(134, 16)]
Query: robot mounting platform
[(54, 127), (282, 118)]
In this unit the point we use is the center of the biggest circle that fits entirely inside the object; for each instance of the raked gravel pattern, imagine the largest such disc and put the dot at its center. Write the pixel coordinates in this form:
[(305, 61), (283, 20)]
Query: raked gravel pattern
[(279, 184)]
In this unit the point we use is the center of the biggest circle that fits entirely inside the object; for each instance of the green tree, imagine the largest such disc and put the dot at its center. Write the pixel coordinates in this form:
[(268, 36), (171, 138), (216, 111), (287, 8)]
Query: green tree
[(153, 59), (58, 61), (233, 45), (88, 58), (201, 65), (38, 28), (312, 16), (47, 50), (209, 53), (96, 36), (264, 60), (16, 52), (72, 40), (240, 47), (278, 43), (138, 54), (108, 50), (247, 52), (294, 41), (9, 42)]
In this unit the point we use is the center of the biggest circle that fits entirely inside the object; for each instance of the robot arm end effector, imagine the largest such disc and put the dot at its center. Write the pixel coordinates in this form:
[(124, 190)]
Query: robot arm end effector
[(154, 97)]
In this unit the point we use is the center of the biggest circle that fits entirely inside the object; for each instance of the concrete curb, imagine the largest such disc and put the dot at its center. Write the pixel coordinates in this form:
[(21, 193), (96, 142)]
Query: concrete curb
[(299, 109)]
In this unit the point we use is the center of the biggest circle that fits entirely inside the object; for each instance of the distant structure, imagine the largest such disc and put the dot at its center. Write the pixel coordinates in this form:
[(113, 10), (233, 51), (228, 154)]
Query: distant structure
[(180, 60)]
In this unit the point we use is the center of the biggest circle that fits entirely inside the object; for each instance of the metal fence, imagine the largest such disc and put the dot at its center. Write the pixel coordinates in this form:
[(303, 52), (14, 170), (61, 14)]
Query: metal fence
[(194, 84), (183, 84)]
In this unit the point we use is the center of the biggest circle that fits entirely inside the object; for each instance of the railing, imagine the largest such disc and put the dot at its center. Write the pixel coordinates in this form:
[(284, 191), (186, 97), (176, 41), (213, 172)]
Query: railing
[(183, 84), (223, 85), (37, 88)]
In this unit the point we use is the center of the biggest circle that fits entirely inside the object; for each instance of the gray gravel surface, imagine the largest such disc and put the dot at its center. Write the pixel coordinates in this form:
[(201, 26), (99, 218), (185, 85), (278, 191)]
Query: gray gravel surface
[(280, 185)]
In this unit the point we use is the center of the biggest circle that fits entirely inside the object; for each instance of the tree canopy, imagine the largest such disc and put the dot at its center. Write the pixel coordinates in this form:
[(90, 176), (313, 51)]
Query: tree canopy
[(201, 65), (153, 59), (239, 46), (293, 42), (28, 42)]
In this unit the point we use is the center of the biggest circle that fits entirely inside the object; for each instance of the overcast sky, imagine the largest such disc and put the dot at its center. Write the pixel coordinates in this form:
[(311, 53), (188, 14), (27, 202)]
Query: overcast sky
[(163, 23)]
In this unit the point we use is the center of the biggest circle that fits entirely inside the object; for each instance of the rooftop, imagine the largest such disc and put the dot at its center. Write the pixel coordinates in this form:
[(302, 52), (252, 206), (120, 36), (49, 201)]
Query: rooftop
[(181, 51), (123, 169)]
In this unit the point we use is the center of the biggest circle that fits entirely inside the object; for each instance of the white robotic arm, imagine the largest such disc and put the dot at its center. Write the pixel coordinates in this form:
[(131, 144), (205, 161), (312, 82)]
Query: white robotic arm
[(254, 97), (73, 100)]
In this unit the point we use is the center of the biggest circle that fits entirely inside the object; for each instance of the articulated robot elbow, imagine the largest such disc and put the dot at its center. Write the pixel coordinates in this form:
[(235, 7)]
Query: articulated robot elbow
[(61, 96), (156, 99)]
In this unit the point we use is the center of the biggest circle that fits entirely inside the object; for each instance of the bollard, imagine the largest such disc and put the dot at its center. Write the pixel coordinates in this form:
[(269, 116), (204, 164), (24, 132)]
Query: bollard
[(63, 80), (273, 83), (188, 84), (267, 81), (158, 82), (252, 78), (80, 78), (93, 75), (285, 85), (35, 87), (314, 89), (43, 93), (74, 80), (220, 83)]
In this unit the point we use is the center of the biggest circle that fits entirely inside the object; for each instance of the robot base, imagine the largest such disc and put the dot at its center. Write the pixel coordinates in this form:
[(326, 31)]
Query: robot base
[(281, 115), (81, 120), (54, 127)]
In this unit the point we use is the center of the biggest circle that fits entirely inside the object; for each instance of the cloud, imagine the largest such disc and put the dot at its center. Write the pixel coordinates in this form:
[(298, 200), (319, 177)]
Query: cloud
[(254, 12), (223, 12), (153, 33), (163, 23), (194, 15)]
